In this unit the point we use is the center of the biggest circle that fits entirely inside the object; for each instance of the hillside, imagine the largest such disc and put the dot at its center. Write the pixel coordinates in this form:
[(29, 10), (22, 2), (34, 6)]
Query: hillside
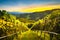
[(50, 22)]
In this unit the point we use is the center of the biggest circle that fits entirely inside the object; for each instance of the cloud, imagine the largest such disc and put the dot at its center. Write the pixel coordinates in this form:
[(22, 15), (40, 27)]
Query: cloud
[(30, 8), (34, 8)]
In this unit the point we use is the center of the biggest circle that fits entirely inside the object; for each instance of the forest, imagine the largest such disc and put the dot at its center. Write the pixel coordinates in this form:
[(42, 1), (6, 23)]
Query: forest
[(44, 25)]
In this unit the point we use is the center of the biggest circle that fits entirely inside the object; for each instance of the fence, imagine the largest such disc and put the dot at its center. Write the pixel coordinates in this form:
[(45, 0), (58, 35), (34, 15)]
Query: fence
[(52, 34)]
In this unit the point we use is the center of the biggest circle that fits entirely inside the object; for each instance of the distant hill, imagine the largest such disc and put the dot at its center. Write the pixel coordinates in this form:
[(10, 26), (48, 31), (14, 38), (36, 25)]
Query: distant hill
[(34, 15), (15, 13)]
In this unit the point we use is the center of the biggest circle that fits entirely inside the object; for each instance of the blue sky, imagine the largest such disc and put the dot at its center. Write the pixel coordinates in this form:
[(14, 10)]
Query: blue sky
[(15, 3), (26, 2)]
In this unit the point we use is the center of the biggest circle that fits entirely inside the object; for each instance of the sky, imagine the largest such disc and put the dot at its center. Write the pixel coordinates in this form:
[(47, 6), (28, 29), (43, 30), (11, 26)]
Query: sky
[(28, 5)]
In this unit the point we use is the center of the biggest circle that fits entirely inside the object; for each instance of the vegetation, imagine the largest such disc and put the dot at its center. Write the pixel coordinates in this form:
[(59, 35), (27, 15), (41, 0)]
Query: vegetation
[(9, 24), (46, 28)]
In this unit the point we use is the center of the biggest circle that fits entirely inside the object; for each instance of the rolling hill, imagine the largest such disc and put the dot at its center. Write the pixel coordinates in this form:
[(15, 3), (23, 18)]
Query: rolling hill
[(35, 15)]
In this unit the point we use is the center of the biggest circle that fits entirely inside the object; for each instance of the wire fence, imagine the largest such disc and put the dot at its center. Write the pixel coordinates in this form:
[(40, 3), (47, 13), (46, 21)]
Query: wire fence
[(18, 32), (8, 35)]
